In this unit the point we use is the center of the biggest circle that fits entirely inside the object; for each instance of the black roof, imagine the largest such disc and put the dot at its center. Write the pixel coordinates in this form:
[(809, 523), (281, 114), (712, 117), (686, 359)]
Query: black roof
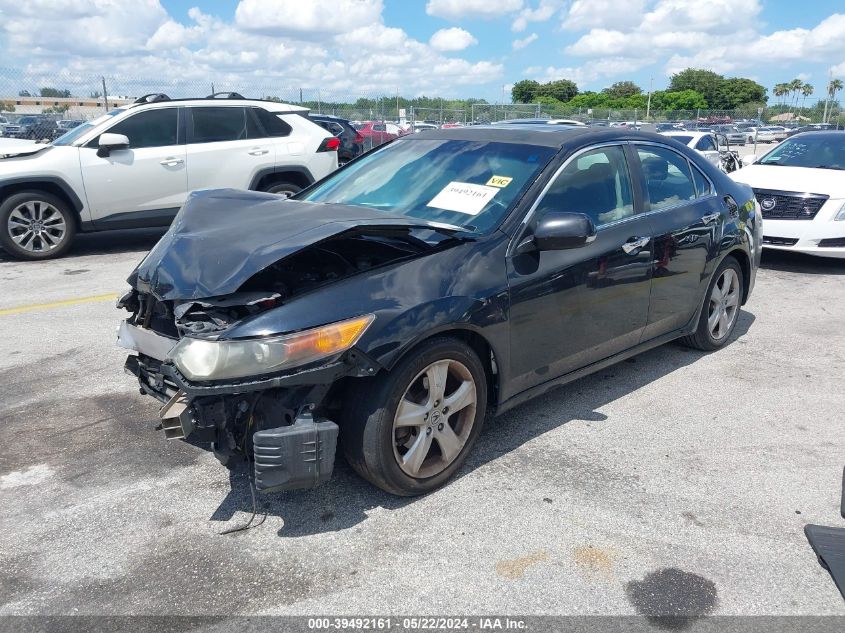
[(814, 134), (543, 135)]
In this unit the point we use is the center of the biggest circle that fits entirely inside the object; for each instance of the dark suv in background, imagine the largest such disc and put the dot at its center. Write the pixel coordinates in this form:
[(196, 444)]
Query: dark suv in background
[(351, 141), (34, 127)]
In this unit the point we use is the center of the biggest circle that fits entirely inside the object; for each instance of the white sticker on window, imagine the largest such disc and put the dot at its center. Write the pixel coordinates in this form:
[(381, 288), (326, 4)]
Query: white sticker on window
[(464, 197)]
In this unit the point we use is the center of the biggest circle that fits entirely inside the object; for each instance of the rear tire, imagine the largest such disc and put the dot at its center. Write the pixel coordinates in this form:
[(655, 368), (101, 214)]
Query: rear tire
[(36, 225), (441, 387), (284, 189), (720, 311)]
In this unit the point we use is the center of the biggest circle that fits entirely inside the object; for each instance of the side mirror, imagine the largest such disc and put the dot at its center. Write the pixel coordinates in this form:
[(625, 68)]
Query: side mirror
[(108, 143), (557, 231), (750, 159)]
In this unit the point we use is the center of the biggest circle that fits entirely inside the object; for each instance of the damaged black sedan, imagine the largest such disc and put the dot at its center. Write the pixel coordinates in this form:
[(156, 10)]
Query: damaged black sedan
[(442, 278)]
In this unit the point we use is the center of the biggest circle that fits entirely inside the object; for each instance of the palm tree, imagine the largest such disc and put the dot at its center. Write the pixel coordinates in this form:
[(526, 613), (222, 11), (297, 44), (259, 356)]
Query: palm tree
[(779, 90), (794, 87), (806, 90), (833, 87)]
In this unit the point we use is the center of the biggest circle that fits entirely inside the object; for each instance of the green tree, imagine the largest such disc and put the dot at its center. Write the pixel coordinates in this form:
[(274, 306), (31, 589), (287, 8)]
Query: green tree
[(54, 92), (24, 93), (562, 90), (59, 109), (833, 87), (780, 90), (524, 91), (622, 89), (705, 82), (735, 91), (677, 100), (7, 106)]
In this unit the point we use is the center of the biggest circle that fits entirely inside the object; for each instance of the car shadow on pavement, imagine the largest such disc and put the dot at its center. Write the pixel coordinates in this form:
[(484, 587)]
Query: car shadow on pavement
[(785, 261), (128, 240), (346, 500)]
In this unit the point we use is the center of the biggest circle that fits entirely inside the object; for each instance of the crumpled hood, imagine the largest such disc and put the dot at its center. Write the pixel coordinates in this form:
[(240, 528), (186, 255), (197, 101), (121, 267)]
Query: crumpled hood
[(830, 182), (221, 238)]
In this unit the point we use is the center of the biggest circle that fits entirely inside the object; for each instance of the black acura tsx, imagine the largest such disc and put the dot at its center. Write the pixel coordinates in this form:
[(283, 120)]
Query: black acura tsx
[(444, 277)]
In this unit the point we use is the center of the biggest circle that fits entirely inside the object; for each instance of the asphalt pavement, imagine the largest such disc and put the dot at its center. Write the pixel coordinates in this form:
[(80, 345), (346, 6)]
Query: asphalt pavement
[(677, 477)]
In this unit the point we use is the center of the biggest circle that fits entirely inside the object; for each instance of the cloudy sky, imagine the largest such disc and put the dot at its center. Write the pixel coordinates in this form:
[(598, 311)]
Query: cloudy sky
[(434, 47)]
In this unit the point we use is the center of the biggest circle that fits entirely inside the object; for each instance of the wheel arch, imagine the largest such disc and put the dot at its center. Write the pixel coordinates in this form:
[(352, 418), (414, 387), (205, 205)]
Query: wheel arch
[(297, 175), (48, 184), (465, 333), (744, 261)]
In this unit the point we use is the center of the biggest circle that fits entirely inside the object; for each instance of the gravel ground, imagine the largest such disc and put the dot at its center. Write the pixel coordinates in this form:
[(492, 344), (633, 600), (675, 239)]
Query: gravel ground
[(674, 478)]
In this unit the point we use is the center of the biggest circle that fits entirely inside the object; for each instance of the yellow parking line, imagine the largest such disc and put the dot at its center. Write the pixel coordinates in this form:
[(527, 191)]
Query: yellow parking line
[(58, 304)]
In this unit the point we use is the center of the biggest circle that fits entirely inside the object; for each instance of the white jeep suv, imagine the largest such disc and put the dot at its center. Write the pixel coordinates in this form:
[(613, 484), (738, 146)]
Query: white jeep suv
[(135, 166)]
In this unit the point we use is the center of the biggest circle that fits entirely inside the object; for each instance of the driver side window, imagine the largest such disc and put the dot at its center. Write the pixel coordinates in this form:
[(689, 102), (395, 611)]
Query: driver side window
[(596, 183), (153, 128)]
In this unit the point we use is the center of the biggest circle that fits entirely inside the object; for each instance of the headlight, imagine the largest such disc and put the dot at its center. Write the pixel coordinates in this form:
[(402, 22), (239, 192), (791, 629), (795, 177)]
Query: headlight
[(200, 359), (841, 214)]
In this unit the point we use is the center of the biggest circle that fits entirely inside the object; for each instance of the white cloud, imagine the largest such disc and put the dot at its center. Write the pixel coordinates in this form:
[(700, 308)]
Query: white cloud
[(306, 17), (609, 14), (484, 9), (453, 39), (140, 48), (545, 10), (519, 44)]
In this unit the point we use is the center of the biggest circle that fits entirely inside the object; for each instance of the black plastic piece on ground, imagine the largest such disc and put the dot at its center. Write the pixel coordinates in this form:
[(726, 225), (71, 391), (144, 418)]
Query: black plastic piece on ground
[(297, 456), (829, 545), (842, 503)]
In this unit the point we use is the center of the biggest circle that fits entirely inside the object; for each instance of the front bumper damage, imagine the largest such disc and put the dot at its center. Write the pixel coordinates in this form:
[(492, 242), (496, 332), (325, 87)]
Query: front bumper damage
[(278, 422)]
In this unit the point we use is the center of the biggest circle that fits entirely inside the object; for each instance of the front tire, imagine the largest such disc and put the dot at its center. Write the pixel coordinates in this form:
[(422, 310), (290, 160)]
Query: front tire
[(411, 429), (36, 225), (720, 311)]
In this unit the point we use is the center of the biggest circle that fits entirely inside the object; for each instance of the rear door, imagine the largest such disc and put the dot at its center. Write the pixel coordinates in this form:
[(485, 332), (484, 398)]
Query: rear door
[(226, 147), (143, 185), (686, 214), (570, 308)]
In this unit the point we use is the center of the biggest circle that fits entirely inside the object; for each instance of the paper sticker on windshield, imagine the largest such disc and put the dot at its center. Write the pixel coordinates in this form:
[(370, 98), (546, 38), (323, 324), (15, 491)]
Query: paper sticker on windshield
[(499, 181), (463, 197)]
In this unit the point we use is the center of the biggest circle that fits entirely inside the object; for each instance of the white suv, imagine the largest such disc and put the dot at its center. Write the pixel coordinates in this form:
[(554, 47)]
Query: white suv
[(135, 166)]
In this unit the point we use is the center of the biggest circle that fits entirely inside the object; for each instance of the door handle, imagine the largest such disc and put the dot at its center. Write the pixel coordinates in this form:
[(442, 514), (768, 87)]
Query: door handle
[(707, 219), (171, 161), (257, 151), (635, 244)]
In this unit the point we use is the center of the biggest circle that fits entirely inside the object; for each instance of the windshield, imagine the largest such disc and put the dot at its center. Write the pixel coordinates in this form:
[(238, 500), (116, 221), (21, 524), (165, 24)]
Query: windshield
[(82, 129), (470, 184), (826, 151), (681, 138)]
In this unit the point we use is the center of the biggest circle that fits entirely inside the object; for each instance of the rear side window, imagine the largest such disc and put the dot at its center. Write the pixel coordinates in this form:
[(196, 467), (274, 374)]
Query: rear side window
[(215, 124), (153, 128), (705, 143), (271, 123), (702, 185), (668, 179)]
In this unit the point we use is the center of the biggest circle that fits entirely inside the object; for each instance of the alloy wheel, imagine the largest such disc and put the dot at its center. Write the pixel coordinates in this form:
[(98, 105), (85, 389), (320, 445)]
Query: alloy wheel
[(37, 226), (434, 419), (723, 307)]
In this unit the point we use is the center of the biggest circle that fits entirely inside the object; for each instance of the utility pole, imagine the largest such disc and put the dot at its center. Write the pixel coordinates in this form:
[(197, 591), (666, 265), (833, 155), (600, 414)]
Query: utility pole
[(648, 105), (105, 95), (212, 87)]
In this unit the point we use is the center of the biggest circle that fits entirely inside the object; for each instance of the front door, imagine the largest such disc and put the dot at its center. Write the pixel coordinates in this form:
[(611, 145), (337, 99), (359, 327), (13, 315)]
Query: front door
[(571, 308), (141, 186)]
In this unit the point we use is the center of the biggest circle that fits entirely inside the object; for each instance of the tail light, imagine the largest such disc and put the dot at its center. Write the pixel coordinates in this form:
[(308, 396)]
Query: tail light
[(329, 144), (358, 138)]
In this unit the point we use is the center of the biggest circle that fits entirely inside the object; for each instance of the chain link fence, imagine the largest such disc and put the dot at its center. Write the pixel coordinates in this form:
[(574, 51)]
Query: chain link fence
[(77, 97)]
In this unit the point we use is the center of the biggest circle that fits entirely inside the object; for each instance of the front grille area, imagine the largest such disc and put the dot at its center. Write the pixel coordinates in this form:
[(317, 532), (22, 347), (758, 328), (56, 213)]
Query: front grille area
[(779, 241), (788, 205), (833, 242)]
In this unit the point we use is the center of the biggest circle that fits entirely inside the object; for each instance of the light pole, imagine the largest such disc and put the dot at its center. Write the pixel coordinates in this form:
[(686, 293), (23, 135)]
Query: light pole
[(648, 104)]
